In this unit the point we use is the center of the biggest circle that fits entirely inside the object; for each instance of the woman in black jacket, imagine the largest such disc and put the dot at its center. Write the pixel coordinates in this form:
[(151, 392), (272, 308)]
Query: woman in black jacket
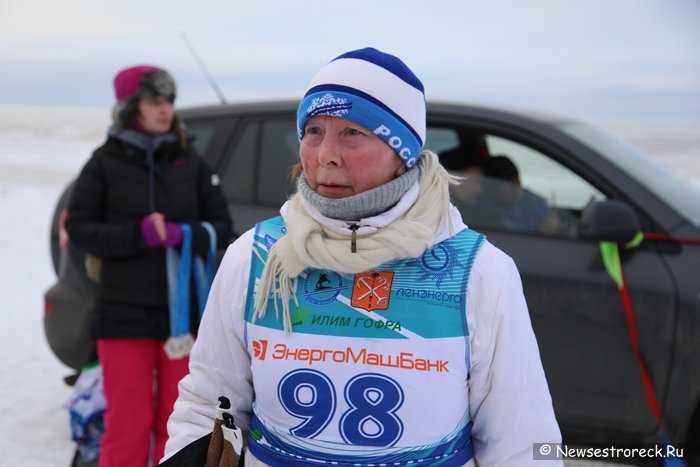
[(142, 204)]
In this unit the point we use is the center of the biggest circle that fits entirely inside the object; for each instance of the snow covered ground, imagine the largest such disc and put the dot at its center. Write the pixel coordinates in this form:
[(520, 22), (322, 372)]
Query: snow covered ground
[(40, 151)]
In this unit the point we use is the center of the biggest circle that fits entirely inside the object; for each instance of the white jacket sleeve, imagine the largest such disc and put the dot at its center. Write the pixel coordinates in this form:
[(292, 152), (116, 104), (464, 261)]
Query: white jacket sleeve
[(510, 404), (219, 362)]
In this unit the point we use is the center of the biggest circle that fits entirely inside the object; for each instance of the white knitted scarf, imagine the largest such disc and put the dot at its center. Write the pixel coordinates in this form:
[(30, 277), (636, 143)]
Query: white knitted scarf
[(308, 244)]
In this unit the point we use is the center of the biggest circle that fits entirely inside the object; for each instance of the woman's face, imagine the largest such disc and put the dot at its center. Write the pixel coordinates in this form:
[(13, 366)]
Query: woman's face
[(341, 158), (156, 115)]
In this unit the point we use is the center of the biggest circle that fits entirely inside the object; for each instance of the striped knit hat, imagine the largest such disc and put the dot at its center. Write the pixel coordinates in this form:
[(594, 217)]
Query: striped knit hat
[(375, 90)]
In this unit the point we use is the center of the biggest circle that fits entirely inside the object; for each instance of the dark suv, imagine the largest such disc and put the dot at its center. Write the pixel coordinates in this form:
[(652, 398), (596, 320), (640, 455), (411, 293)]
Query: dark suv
[(595, 189)]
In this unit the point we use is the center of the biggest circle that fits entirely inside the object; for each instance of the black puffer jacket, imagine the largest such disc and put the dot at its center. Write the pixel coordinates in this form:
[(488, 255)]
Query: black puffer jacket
[(114, 191)]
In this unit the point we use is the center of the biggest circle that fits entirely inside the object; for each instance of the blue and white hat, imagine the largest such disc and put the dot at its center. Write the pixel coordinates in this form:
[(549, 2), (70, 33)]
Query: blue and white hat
[(375, 90)]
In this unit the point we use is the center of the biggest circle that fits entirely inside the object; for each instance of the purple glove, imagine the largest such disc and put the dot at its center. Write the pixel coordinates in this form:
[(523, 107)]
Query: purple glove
[(149, 232), (173, 234)]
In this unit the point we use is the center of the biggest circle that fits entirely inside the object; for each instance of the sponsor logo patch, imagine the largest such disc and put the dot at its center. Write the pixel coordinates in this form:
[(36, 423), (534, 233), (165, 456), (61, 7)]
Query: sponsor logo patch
[(323, 287), (328, 104), (260, 349), (372, 290)]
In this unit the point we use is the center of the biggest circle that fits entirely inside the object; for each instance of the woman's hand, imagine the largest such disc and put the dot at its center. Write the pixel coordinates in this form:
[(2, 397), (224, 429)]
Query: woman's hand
[(157, 232)]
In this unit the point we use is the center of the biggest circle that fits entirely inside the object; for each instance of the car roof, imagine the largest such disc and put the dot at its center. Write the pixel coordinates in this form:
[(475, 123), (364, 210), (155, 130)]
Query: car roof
[(501, 112), (434, 108), (246, 108)]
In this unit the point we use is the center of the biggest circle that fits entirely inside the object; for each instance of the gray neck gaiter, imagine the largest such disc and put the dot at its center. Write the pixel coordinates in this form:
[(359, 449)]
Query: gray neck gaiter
[(363, 205)]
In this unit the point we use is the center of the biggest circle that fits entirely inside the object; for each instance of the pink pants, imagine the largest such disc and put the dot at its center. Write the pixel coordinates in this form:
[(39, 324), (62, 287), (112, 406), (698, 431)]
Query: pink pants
[(140, 385)]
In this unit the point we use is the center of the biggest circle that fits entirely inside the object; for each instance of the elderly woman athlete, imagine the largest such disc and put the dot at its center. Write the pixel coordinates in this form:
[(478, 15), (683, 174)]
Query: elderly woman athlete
[(367, 325)]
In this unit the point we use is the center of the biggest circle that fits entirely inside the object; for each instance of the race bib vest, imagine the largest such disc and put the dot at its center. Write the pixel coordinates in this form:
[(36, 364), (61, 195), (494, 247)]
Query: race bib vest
[(375, 370)]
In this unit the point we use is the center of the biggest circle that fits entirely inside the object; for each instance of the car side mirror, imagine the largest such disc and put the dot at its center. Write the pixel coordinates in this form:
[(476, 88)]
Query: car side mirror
[(611, 221)]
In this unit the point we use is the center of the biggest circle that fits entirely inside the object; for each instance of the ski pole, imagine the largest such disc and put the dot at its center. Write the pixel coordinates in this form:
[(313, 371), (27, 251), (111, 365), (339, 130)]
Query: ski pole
[(216, 444), (233, 443)]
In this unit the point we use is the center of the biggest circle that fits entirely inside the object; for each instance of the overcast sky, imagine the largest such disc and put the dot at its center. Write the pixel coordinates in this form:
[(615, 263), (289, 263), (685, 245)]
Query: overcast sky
[(585, 58)]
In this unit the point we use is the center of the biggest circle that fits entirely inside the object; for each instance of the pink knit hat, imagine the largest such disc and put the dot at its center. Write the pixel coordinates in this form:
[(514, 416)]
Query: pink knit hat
[(139, 82), (143, 81)]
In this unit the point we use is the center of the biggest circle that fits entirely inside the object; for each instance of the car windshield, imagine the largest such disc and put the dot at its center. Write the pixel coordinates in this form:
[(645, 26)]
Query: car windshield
[(674, 190)]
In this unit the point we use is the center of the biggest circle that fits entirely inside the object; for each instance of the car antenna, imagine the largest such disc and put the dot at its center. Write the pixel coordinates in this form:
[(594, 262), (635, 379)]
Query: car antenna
[(204, 69)]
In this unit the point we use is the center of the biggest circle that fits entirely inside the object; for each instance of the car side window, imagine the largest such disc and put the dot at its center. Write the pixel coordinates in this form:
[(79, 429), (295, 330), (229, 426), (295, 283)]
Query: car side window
[(518, 188), (237, 175), (201, 137), (257, 169), (542, 195), (279, 151), (208, 137), (439, 139), (562, 187)]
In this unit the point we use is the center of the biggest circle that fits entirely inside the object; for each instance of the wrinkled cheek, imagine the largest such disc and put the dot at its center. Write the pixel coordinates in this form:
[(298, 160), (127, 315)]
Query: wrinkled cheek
[(310, 176), (312, 183), (309, 166)]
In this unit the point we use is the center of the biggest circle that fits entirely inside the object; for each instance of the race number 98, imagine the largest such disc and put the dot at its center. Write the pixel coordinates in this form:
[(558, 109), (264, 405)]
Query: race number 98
[(370, 420)]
